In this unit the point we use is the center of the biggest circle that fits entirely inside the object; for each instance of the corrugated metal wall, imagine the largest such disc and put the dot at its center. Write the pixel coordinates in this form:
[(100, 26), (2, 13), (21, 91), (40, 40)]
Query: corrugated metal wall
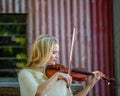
[(13, 6), (93, 48), (57, 17), (102, 32)]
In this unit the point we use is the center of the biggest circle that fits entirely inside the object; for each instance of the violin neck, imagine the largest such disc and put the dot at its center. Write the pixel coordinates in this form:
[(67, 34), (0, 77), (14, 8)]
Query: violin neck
[(81, 71), (53, 67)]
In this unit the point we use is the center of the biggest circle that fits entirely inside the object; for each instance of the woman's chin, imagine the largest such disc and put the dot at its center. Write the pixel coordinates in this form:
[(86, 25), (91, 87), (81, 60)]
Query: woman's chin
[(52, 63)]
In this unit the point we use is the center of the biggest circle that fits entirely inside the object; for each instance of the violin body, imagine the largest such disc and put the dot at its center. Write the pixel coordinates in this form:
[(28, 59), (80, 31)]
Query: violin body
[(75, 72)]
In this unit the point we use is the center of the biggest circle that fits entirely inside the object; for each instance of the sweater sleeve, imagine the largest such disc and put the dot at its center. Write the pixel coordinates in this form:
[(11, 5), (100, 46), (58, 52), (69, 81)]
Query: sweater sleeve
[(28, 84)]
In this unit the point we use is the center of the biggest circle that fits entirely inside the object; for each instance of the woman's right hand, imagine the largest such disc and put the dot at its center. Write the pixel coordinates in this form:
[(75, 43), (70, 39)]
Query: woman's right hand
[(66, 77), (97, 76)]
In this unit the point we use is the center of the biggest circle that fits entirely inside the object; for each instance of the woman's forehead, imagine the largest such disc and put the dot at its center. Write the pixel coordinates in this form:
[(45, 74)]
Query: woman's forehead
[(55, 47)]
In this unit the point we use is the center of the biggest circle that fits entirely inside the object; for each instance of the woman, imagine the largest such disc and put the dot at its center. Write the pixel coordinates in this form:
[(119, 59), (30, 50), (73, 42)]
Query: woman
[(33, 80)]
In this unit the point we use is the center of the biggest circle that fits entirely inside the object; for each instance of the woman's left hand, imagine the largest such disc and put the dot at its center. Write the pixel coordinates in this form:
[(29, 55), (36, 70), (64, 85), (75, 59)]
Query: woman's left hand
[(67, 78)]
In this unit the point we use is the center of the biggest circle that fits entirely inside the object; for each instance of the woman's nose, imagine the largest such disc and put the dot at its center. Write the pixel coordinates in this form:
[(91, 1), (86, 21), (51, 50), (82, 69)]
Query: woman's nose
[(57, 56)]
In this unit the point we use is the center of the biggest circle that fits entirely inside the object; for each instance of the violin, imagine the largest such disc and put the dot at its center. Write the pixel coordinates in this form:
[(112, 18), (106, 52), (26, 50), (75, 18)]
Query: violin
[(78, 74)]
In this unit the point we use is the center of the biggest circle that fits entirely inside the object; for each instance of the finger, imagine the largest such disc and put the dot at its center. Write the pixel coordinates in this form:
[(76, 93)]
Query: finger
[(69, 80), (65, 78), (97, 75)]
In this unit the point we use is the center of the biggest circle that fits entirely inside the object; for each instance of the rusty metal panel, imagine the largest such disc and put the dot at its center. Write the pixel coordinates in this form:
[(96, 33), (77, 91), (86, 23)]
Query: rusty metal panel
[(57, 17), (13, 6), (101, 18), (93, 48)]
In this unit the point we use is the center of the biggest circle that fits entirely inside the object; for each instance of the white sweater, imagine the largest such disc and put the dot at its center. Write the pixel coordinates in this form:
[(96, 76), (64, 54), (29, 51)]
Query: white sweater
[(29, 80)]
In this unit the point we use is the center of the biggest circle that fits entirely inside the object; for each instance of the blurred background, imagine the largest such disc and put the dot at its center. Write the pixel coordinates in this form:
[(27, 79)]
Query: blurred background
[(96, 46)]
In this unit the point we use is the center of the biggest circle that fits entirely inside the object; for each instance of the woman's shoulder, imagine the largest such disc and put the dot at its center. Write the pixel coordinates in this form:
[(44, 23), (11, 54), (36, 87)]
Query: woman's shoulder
[(30, 72), (24, 72)]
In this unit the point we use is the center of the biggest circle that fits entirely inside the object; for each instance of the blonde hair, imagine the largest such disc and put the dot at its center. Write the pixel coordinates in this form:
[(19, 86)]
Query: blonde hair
[(42, 50)]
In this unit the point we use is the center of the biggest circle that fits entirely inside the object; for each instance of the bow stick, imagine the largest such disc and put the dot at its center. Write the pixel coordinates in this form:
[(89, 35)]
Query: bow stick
[(71, 50)]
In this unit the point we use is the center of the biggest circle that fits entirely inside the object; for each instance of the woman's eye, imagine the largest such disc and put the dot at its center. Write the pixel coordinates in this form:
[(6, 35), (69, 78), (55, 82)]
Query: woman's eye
[(54, 52)]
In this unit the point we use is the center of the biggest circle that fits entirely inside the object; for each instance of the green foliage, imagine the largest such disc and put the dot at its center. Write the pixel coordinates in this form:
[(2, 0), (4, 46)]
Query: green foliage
[(12, 34), (20, 40), (8, 50), (20, 65), (21, 56)]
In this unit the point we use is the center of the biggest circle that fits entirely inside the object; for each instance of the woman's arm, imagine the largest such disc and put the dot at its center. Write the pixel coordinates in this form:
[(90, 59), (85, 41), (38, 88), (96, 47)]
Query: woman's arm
[(97, 76), (43, 89), (27, 82)]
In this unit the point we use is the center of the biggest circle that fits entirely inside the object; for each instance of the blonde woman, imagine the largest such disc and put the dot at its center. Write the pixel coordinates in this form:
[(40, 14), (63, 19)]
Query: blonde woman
[(33, 80)]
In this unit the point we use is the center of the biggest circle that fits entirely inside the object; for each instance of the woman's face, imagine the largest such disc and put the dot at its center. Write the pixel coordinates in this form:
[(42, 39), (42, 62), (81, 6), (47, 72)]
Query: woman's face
[(54, 56)]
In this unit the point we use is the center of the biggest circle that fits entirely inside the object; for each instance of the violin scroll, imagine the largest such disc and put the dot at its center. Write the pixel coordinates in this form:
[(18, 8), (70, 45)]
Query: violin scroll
[(109, 80)]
